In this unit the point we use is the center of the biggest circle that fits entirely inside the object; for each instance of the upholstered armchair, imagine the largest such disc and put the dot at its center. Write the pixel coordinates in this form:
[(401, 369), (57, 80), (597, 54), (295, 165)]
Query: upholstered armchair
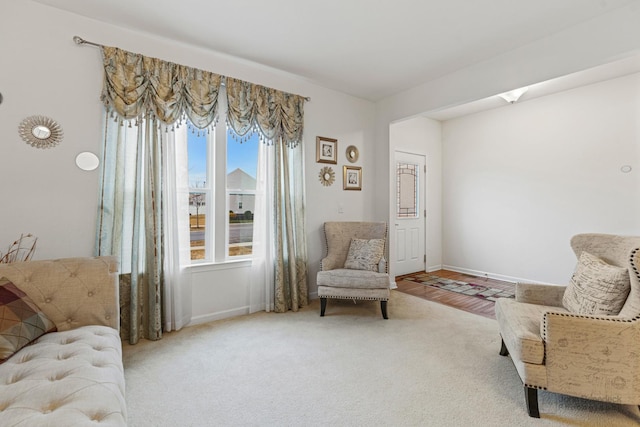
[(355, 266), (582, 339)]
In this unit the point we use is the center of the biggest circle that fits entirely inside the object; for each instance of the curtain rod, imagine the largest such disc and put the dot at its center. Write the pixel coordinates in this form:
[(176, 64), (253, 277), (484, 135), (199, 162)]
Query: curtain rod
[(80, 41)]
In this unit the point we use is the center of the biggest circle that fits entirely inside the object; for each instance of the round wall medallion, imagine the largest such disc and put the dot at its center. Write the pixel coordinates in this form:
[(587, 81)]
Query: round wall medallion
[(40, 132), (327, 176), (87, 161), (352, 153)]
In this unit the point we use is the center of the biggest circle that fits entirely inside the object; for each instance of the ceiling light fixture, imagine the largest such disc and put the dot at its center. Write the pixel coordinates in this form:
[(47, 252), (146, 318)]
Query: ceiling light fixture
[(513, 95)]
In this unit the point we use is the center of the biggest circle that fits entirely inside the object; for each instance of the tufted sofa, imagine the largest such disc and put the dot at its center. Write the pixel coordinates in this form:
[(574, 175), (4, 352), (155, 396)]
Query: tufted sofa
[(74, 376)]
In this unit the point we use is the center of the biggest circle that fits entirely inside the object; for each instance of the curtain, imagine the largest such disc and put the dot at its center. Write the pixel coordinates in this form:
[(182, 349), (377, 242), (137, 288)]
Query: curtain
[(290, 286), (279, 266), (177, 286), (274, 114), (131, 221), (143, 192)]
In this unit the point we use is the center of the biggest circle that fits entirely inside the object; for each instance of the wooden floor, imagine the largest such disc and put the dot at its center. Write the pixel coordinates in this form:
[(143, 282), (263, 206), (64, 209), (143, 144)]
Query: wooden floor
[(468, 303)]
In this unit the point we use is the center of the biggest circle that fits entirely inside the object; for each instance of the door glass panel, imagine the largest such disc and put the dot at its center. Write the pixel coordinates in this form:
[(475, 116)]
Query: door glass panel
[(407, 186)]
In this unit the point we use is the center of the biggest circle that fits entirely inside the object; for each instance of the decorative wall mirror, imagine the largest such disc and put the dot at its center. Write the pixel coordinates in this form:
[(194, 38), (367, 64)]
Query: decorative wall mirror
[(352, 153), (327, 176), (40, 132)]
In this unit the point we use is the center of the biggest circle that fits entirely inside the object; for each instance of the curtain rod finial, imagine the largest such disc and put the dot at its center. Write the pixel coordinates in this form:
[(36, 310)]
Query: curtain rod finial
[(78, 40)]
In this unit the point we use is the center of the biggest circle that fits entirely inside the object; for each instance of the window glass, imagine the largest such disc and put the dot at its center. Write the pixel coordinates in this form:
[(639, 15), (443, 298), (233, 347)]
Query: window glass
[(197, 152), (242, 162), (407, 185)]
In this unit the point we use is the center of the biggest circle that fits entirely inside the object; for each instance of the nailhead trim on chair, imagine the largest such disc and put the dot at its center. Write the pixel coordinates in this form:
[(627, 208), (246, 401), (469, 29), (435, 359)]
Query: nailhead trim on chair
[(534, 386), (359, 298)]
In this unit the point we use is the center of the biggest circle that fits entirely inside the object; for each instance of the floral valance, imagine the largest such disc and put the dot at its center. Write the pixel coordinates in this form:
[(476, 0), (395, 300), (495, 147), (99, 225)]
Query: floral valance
[(274, 114), (136, 86)]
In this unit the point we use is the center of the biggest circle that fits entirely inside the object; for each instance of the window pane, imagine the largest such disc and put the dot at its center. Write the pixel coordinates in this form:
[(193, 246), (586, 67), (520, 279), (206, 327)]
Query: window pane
[(407, 188), (197, 163), (197, 222), (242, 162)]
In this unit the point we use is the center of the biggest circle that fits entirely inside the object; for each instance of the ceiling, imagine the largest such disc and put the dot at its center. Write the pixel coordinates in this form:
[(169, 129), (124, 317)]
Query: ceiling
[(367, 48)]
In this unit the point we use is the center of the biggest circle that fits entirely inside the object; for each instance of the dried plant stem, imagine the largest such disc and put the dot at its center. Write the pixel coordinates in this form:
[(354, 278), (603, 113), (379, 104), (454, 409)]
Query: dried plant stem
[(20, 250)]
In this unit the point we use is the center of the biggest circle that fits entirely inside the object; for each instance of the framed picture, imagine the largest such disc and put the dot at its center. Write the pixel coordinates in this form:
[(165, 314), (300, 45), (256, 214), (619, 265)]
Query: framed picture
[(352, 177), (326, 150)]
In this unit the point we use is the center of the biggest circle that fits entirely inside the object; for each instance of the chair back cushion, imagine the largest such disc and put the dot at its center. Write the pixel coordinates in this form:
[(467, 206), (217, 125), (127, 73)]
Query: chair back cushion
[(621, 251), (596, 288), (338, 237)]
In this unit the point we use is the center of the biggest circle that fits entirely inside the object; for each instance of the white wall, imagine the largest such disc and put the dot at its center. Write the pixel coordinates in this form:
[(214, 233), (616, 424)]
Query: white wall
[(421, 135), (44, 72), (519, 181), (605, 39), (595, 42)]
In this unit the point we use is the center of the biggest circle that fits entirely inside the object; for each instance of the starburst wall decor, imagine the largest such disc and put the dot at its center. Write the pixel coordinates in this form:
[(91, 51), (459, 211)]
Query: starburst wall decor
[(327, 176)]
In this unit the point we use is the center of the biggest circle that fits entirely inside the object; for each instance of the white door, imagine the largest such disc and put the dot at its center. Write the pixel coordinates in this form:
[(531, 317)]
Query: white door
[(410, 213)]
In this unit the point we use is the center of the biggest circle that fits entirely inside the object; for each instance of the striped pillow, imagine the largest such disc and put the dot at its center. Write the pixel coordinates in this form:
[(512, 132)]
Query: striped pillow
[(21, 321)]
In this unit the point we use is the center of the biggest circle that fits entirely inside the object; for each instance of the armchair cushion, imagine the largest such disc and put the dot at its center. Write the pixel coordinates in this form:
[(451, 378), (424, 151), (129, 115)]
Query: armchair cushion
[(520, 328), (356, 279), (596, 288), (21, 321), (364, 254)]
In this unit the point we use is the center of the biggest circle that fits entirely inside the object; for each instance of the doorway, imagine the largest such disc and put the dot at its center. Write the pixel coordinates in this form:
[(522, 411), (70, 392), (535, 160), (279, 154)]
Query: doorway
[(410, 213)]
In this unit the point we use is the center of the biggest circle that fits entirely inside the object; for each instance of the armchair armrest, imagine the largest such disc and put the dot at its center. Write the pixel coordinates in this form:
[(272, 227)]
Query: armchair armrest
[(535, 293), (593, 356)]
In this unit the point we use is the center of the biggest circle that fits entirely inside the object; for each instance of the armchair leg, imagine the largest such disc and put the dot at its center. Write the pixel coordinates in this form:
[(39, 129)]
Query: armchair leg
[(503, 349), (383, 308), (323, 306), (531, 397)]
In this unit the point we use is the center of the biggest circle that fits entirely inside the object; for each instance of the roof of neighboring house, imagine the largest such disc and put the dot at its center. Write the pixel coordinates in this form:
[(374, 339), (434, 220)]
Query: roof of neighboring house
[(240, 180)]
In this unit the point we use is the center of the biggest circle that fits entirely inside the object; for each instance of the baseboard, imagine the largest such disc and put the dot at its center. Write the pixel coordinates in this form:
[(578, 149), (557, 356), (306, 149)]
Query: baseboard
[(485, 274), (434, 268), (205, 318)]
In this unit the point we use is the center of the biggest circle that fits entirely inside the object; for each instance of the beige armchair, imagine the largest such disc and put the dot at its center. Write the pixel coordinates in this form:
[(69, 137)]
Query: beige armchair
[(370, 281), (585, 355)]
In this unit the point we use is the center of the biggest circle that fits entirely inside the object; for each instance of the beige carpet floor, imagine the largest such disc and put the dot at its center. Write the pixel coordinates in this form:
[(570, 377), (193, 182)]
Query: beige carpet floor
[(428, 365)]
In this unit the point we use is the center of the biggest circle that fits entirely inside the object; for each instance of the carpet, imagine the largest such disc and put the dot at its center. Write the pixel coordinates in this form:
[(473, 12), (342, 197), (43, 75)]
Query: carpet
[(471, 289), (428, 365)]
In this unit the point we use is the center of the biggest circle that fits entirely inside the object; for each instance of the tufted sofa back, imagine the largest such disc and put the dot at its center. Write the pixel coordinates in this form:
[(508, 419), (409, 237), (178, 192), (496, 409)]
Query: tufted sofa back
[(338, 237), (621, 251), (72, 292)]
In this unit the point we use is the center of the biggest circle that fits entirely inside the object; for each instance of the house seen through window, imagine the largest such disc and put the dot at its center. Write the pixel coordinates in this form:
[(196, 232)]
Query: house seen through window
[(222, 184)]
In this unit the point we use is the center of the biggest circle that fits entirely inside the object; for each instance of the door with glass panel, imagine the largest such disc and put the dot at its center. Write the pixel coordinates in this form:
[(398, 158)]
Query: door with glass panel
[(410, 213)]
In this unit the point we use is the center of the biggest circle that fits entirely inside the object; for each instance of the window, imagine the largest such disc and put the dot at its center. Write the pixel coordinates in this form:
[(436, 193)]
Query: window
[(407, 190), (222, 184)]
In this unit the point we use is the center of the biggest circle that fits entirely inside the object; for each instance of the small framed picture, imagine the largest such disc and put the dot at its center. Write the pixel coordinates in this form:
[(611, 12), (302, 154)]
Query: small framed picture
[(352, 177), (326, 150)]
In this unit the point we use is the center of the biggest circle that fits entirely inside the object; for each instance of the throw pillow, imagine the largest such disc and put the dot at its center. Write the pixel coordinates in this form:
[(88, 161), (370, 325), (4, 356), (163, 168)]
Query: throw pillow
[(21, 321), (596, 287), (364, 254)]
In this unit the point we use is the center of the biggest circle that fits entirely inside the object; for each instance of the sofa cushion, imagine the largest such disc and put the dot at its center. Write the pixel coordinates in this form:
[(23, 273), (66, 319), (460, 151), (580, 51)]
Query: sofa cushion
[(21, 321), (520, 328), (596, 288), (364, 254), (357, 279), (70, 378)]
